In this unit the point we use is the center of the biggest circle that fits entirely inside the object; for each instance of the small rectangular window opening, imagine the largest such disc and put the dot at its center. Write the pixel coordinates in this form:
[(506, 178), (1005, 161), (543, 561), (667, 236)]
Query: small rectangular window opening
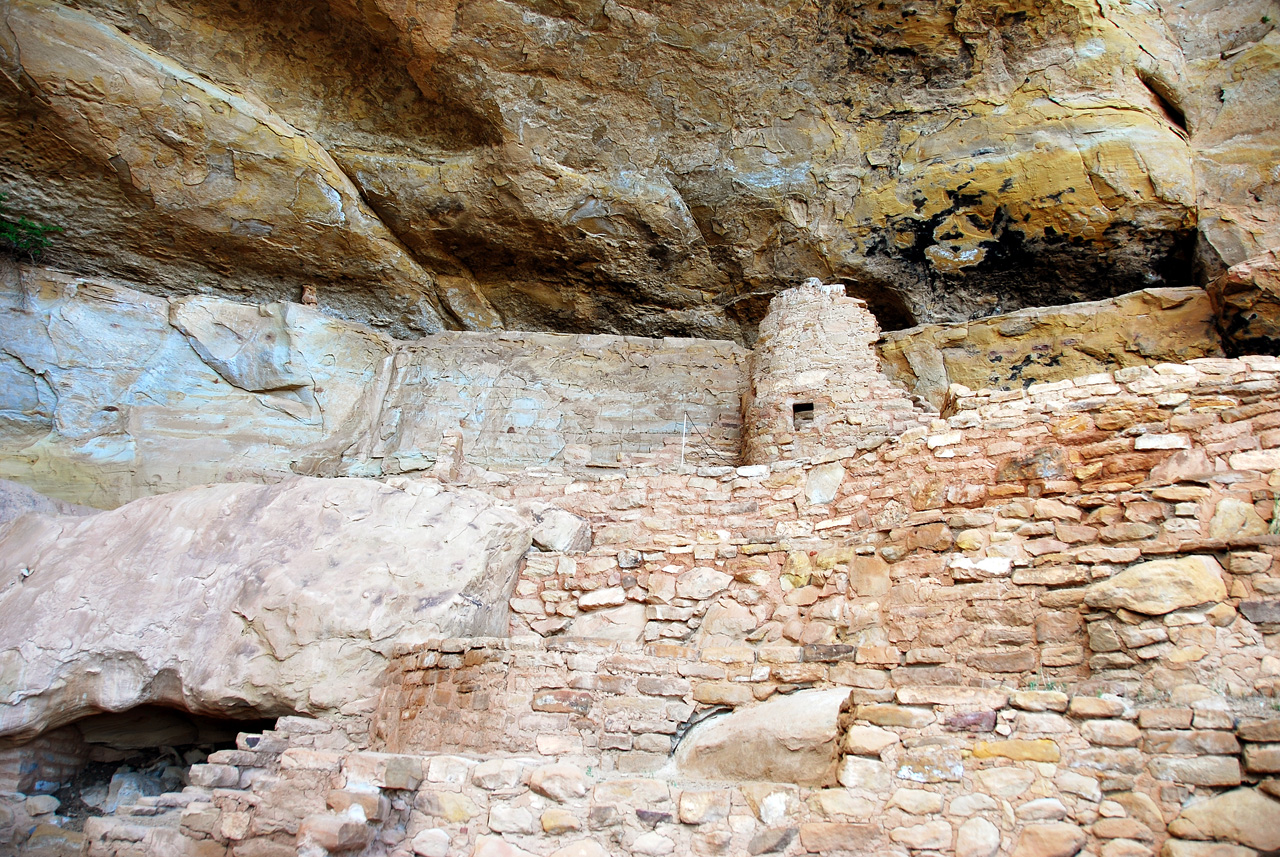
[(802, 415)]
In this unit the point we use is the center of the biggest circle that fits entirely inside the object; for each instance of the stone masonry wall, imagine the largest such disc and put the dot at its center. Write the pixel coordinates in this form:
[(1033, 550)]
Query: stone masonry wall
[(529, 399), (816, 381), (953, 770), (964, 551), (1052, 616)]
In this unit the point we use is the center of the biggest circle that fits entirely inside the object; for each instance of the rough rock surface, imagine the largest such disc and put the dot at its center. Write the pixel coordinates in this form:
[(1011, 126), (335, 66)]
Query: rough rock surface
[(786, 739), (1246, 301), (592, 166), (235, 599), (1160, 586), (108, 394), (1017, 349)]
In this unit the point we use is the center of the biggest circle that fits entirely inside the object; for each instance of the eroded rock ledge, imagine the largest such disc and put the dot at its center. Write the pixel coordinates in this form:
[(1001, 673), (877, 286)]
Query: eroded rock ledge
[(611, 168)]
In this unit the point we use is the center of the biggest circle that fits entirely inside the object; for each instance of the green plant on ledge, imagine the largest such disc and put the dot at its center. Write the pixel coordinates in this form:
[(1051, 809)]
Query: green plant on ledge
[(23, 238)]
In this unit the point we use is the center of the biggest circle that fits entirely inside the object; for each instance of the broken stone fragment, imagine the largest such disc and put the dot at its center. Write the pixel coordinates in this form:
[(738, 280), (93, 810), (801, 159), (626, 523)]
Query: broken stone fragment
[(557, 530), (559, 782), (382, 771), (335, 833), (823, 482)]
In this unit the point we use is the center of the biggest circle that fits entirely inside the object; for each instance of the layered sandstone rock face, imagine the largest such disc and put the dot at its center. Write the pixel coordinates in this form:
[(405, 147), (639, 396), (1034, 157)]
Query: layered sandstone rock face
[(588, 166), (108, 394)]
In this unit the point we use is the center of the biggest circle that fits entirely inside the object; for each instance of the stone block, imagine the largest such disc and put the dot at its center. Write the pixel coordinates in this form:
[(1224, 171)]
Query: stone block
[(868, 740), (1262, 758), (1095, 706), (703, 807), (1200, 771), (1058, 839), (819, 837), (931, 836), (1111, 733), (974, 697), (560, 781), (1021, 750), (1165, 718), (334, 833), (1161, 586), (1261, 612), (977, 837), (373, 804), (214, 776), (1260, 730), (383, 770), (895, 715), (1194, 742), (916, 801)]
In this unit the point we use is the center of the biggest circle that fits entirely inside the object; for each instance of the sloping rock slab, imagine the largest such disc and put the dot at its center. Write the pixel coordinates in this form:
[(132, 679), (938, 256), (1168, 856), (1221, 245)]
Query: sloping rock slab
[(17, 500), (236, 599), (787, 739)]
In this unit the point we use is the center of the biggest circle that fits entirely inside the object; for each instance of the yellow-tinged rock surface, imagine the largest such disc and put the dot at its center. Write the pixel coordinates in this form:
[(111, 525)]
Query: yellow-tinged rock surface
[(620, 168), (1015, 350)]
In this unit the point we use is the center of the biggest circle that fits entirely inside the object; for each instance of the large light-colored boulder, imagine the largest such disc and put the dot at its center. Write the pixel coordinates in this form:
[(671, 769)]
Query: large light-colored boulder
[(1160, 586), (786, 739), (1244, 816), (234, 599)]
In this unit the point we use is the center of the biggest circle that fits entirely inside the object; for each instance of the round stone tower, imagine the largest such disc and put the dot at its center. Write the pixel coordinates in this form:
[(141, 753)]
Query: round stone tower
[(816, 382)]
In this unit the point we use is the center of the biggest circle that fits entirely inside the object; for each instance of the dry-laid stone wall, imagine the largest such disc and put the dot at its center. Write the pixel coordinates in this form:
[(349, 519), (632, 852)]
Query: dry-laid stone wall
[(528, 399), (963, 770), (1001, 541)]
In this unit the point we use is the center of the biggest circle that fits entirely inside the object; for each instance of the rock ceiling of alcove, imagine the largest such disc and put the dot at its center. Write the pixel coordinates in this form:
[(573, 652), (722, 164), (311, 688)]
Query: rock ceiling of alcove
[(647, 168)]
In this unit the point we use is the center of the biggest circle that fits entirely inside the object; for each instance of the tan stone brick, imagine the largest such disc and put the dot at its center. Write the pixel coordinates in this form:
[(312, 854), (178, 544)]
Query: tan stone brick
[(1021, 750)]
